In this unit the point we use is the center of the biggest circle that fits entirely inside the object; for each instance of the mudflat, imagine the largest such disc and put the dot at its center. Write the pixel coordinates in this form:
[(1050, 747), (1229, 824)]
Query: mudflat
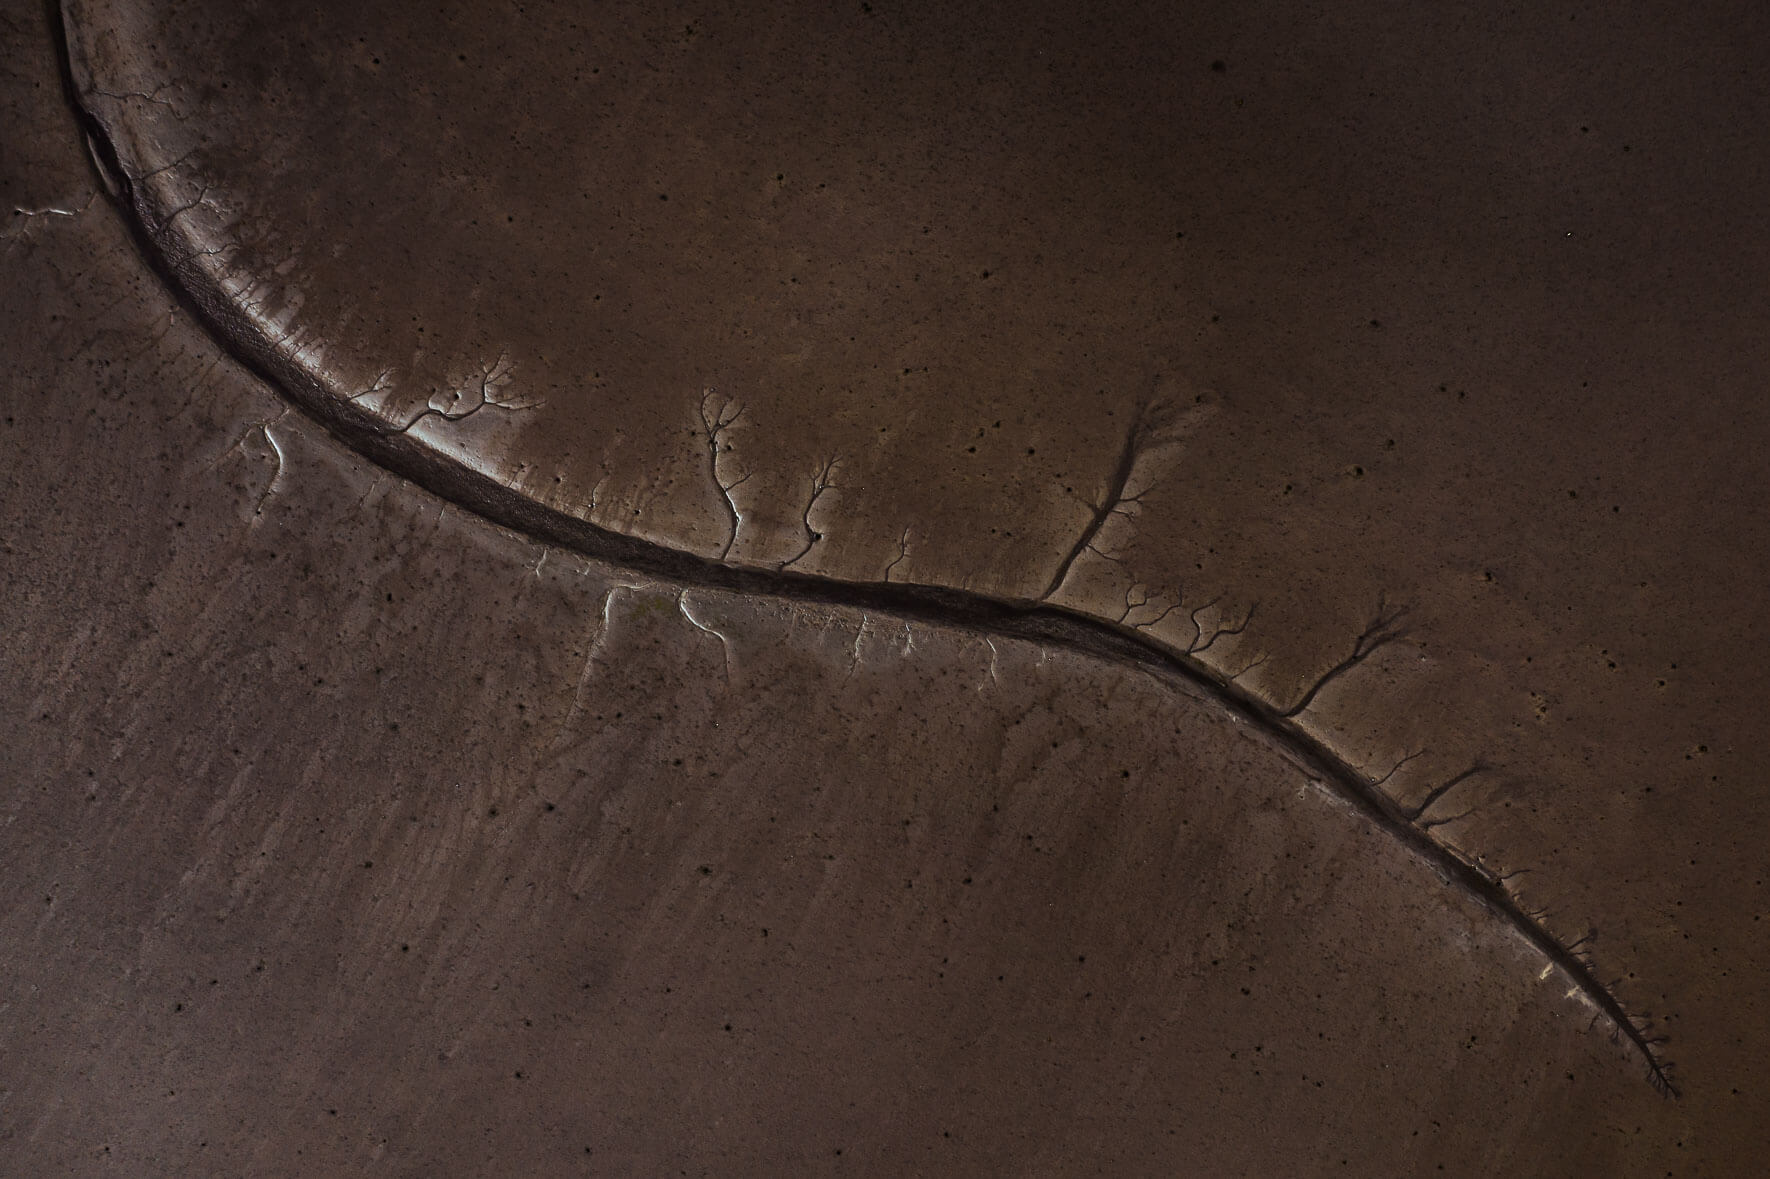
[(891, 589)]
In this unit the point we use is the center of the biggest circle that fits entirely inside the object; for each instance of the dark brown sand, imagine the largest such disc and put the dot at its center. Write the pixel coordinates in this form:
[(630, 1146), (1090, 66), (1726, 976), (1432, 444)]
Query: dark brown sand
[(911, 590)]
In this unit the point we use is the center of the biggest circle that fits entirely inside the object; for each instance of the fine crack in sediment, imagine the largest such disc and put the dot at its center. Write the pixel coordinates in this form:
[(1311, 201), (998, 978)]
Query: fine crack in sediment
[(1439, 791), (903, 550), (1200, 644), (487, 389), (824, 480), (1385, 627), (1039, 622), (715, 423), (1152, 417)]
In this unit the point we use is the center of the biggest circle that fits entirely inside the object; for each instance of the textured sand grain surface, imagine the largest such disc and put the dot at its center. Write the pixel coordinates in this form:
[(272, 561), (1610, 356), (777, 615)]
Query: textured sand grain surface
[(888, 589)]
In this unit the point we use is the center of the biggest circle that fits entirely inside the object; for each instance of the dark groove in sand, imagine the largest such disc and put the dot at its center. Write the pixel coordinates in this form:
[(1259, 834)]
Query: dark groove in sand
[(1028, 620)]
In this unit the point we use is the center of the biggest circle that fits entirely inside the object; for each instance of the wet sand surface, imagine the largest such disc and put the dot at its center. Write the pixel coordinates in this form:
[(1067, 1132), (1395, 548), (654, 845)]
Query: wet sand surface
[(881, 590)]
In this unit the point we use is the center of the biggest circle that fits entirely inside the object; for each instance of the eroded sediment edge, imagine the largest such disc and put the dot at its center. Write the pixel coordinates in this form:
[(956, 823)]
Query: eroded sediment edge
[(1032, 621)]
